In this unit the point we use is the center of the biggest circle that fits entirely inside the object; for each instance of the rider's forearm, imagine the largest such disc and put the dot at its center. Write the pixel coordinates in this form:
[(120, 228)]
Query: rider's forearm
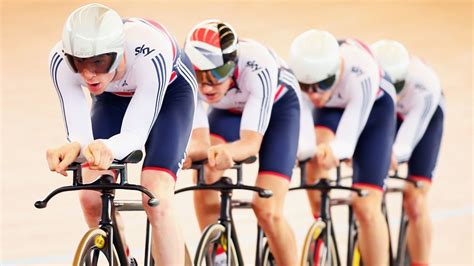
[(198, 150), (248, 145), (199, 144)]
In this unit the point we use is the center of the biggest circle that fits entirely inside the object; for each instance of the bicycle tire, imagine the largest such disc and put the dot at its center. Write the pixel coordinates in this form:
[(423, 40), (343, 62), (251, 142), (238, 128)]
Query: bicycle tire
[(213, 236), (268, 259), (91, 247), (315, 250)]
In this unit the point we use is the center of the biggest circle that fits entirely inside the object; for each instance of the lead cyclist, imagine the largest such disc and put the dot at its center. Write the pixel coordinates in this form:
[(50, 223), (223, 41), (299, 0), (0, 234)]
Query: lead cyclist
[(143, 93)]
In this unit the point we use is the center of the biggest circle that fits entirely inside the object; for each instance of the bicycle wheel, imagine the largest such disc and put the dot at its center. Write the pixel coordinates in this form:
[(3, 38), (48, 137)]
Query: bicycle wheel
[(92, 250), (268, 259), (212, 247), (315, 250)]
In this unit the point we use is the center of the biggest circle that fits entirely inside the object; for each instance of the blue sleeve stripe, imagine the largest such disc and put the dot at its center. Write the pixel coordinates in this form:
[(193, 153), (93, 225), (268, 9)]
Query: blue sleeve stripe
[(361, 114), (261, 105), (187, 75), (56, 60), (265, 107), (289, 79), (164, 82), (267, 99), (365, 103), (160, 69)]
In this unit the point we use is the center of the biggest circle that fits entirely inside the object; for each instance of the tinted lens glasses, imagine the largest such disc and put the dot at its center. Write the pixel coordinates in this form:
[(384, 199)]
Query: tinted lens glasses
[(217, 75), (322, 86), (99, 64), (399, 86)]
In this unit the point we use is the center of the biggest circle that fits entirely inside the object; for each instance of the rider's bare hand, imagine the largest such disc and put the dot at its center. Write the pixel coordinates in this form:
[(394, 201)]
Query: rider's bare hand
[(60, 158), (98, 155)]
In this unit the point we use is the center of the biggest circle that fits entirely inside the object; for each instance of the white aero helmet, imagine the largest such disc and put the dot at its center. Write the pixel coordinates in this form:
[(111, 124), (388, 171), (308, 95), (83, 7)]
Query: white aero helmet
[(314, 56), (393, 57), (92, 30), (211, 44)]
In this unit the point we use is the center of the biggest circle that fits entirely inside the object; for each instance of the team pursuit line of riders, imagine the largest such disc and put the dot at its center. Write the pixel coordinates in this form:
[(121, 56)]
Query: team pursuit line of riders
[(226, 98)]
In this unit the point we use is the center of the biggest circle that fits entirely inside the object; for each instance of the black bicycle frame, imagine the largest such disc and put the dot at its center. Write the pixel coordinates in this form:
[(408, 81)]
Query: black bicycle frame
[(225, 186), (396, 258), (106, 185), (324, 186)]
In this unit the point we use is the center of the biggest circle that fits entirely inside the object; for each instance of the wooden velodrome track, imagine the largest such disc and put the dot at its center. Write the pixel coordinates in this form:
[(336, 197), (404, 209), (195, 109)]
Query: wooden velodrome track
[(438, 31)]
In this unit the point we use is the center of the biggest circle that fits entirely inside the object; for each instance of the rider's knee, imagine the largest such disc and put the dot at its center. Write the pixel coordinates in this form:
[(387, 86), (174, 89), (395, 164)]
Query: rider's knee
[(414, 205), (90, 201), (367, 211), (266, 215), (158, 212)]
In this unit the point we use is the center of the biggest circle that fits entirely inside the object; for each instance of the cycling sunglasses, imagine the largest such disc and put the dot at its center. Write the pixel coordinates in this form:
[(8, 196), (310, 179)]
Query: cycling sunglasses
[(99, 64), (399, 86), (322, 86), (217, 75)]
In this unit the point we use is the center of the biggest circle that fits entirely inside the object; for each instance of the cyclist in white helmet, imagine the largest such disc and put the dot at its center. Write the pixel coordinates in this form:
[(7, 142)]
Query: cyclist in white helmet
[(143, 94), (255, 107), (354, 119), (420, 117)]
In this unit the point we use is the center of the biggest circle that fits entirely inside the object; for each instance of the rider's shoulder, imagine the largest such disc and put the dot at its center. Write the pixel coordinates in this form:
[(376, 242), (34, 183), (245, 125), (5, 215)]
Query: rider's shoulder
[(56, 51), (255, 57), (145, 38), (422, 77)]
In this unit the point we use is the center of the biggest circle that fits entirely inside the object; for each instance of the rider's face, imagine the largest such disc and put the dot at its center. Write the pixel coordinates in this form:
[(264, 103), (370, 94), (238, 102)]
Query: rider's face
[(319, 99), (94, 71), (212, 91), (96, 82)]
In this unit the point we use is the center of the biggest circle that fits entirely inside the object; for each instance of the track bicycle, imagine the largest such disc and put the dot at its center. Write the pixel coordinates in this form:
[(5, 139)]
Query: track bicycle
[(102, 245), (401, 256), (222, 234), (320, 245)]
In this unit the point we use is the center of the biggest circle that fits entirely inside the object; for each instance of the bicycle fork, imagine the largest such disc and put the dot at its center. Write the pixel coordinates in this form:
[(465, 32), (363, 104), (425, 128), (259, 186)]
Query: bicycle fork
[(226, 221)]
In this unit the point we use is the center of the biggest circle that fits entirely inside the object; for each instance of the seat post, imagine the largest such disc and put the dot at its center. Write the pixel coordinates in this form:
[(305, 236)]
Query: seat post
[(107, 199), (226, 196)]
